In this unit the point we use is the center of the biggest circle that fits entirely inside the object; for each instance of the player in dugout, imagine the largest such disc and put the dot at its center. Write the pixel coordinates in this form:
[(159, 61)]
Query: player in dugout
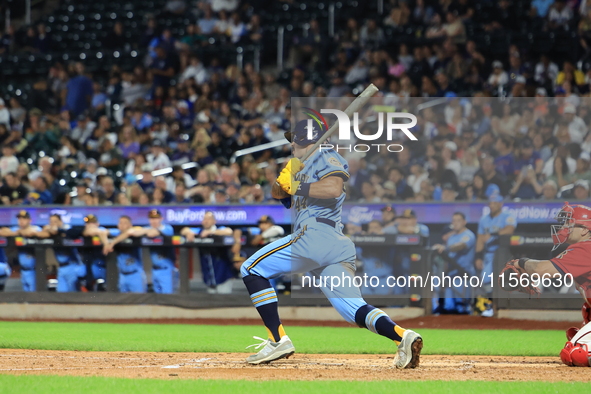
[(574, 229), (315, 190), (98, 264), (216, 266), (163, 257), (132, 277), (71, 270), (26, 255)]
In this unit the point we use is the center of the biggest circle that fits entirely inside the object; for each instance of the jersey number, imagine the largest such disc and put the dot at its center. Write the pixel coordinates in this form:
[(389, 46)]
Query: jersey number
[(301, 203)]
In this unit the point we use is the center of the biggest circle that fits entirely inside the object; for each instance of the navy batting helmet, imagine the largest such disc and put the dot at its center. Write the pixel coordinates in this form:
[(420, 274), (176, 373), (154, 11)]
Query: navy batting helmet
[(299, 134)]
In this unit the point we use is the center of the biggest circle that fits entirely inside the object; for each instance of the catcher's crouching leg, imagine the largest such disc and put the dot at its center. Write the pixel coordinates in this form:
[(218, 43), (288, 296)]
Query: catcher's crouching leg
[(576, 355), (586, 312)]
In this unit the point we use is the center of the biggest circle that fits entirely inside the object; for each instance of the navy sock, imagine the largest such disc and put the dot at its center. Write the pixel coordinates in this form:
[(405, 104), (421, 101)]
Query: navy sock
[(264, 298), (376, 320)]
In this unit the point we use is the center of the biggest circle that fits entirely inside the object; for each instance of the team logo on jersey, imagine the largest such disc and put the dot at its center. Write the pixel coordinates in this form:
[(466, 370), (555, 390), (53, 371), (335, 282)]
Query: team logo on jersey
[(335, 162), (96, 241), (561, 255)]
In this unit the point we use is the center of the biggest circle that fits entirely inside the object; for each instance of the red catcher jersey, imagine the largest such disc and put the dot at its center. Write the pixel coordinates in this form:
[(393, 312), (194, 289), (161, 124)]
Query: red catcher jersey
[(576, 260)]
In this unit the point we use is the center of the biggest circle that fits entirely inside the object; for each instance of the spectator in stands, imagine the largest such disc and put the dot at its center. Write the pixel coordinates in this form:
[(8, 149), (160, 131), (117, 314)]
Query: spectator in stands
[(78, 93), (449, 192), (454, 28), (397, 188), (116, 37), (526, 186), (83, 130), (4, 114), (505, 162), (448, 154), (368, 193), (207, 23), (499, 76), (12, 192), (490, 176), (237, 28), (559, 16), (581, 190), (107, 190), (157, 156), (195, 71), (128, 142), (147, 181), (8, 161), (546, 71), (583, 169), (577, 129), (40, 193), (110, 156), (549, 190), (570, 73), (161, 68)]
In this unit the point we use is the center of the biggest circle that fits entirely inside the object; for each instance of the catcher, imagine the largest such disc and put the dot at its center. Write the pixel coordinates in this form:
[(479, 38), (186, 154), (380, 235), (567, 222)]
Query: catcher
[(575, 230)]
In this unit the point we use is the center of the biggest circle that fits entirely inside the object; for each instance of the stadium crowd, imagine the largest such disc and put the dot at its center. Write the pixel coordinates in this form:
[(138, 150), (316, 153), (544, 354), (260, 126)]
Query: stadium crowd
[(127, 137)]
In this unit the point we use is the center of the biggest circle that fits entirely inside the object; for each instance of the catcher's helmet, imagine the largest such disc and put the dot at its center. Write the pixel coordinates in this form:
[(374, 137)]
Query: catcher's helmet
[(302, 135), (569, 217)]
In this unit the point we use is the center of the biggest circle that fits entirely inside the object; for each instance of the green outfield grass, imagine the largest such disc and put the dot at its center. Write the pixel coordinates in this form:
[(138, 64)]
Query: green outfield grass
[(204, 338), (97, 385)]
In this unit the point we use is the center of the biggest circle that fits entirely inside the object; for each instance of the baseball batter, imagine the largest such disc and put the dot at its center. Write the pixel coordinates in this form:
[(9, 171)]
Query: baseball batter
[(575, 230), (315, 189)]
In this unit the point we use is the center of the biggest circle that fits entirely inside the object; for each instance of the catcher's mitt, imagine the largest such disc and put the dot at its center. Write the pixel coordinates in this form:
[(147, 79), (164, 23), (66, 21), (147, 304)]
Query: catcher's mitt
[(509, 274)]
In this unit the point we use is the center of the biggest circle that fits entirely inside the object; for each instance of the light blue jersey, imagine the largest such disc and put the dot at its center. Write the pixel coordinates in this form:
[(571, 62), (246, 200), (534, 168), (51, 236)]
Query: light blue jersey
[(318, 245), (26, 256), (464, 257), (420, 229), (163, 269), (132, 278), (490, 225), (66, 255), (163, 256), (322, 164)]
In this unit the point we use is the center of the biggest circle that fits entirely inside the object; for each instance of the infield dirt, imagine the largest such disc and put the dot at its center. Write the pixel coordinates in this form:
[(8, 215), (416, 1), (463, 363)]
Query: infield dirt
[(297, 367)]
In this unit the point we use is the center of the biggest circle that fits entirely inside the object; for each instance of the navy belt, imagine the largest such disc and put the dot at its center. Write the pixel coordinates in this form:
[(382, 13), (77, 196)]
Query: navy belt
[(327, 221), (64, 264), (129, 273), (27, 269), (159, 268)]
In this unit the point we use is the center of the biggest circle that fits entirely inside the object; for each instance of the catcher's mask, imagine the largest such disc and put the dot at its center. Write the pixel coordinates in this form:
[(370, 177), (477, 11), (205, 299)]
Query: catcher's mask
[(569, 217)]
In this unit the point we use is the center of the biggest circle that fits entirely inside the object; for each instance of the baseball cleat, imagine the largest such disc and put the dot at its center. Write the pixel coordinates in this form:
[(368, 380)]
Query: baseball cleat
[(409, 350), (271, 351)]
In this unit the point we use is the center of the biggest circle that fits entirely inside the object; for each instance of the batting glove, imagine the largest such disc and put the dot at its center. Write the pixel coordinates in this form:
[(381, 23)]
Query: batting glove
[(287, 182)]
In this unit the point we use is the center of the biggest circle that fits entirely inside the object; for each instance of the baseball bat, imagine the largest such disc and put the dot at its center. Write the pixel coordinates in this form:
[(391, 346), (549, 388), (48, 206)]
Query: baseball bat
[(355, 106)]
